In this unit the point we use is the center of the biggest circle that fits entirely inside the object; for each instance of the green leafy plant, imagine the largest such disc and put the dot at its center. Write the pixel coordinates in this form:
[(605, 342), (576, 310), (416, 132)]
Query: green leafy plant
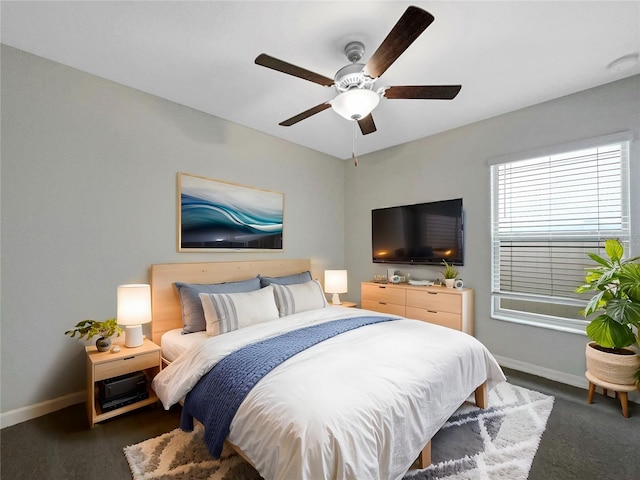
[(449, 270), (90, 328), (616, 283)]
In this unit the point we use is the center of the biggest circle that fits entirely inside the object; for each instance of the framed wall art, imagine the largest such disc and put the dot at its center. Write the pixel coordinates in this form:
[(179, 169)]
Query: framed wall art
[(215, 215)]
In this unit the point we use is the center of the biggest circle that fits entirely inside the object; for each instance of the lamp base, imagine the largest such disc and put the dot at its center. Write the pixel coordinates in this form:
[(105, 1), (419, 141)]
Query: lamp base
[(133, 336), (336, 299)]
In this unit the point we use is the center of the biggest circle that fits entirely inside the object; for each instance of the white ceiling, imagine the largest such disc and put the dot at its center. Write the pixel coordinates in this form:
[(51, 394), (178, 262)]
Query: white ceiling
[(506, 55)]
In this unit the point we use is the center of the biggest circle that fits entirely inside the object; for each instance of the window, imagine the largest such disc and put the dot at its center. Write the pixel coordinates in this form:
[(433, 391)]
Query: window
[(548, 210)]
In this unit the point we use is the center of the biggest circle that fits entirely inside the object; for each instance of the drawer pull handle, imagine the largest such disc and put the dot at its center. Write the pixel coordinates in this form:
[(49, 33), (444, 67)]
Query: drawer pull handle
[(381, 287), (129, 358), (432, 311), (382, 303), (432, 293)]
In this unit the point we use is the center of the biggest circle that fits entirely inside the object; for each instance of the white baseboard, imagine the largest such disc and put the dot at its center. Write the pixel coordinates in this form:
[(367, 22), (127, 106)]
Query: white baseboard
[(562, 377), (555, 375), (19, 415)]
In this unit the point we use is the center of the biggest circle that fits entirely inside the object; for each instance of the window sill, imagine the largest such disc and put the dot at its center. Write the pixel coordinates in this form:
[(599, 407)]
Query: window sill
[(562, 325)]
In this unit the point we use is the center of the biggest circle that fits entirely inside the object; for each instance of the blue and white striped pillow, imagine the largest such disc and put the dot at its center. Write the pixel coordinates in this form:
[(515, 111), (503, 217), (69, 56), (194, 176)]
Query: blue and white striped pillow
[(300, 297), (225, 312)]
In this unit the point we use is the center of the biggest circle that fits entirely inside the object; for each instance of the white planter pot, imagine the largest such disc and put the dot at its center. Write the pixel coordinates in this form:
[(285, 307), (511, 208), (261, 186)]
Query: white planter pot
[(449, 282)]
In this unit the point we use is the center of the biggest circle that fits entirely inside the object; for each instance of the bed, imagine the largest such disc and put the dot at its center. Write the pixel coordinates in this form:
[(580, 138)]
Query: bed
[(362, 404)]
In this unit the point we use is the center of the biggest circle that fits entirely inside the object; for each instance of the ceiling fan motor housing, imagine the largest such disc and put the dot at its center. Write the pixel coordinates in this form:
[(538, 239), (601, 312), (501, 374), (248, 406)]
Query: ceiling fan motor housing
[(352, 76)]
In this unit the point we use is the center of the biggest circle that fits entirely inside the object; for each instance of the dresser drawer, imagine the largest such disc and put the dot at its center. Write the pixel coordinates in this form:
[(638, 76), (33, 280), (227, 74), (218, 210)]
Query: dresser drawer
[(390, 308), (127, 364), (384, 294), (445, 319), (435, 301)]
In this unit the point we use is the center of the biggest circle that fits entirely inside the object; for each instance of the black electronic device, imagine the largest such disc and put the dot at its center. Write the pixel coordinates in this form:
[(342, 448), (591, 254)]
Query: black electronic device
[(129, 384), (122, 400), (419, 234)]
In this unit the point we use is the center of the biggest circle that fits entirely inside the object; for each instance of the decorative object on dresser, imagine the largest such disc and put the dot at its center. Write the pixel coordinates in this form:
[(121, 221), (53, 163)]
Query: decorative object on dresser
[(450, 273), (451, 308), (214, 215), (610, 364), (335, 282), (134, 309), (90, 328), (116, 367)]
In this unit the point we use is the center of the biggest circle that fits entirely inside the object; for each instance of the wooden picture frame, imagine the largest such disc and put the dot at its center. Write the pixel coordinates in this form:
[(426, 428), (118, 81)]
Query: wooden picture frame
[(214, 215)]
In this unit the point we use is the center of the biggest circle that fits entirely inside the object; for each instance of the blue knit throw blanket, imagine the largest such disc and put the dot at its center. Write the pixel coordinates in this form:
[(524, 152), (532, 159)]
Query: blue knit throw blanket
[(216, 398)]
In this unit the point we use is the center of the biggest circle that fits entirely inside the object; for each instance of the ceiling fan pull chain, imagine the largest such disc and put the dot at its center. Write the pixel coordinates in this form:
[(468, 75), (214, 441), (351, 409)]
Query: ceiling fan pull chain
[(355, 141)]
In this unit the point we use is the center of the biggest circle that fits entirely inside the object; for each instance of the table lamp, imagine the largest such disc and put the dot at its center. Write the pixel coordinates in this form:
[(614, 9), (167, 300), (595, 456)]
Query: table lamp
[(335, 281), (134, 309)]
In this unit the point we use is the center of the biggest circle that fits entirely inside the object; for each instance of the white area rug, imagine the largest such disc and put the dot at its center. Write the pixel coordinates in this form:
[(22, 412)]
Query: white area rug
[(494, 444)]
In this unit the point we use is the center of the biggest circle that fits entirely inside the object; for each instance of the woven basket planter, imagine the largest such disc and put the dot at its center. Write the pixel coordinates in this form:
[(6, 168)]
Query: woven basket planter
[(618, 368)]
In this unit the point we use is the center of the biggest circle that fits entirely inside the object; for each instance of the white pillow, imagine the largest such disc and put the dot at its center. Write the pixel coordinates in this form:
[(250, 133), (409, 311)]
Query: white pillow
[(299, 297), (225, 312)]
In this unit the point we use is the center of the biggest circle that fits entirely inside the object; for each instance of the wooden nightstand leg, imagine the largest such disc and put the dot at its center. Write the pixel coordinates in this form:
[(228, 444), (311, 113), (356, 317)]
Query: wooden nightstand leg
[(592, 390)]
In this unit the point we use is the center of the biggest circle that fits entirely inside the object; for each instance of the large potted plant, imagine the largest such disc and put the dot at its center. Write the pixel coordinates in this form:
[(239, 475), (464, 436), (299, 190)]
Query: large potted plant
[(616, 302), (103, 329)]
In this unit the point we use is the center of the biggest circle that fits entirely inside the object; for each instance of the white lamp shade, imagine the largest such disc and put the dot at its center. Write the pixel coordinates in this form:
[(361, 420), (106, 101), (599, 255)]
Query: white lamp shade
[(356, 103), (134, 309), (335, 281)]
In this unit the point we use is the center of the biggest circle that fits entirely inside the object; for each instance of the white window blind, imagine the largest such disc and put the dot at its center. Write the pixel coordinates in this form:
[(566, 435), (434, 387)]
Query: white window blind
[(549, 209)]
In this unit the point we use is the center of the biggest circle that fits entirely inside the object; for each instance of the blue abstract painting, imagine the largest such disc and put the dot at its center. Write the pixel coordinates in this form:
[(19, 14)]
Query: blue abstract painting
[(215, 214)]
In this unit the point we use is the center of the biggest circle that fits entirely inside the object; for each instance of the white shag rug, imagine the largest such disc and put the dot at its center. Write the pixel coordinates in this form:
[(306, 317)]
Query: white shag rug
[(498, 443)]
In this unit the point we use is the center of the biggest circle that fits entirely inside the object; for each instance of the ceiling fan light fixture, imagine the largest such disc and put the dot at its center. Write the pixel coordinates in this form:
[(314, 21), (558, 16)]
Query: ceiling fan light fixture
[(356, 103)]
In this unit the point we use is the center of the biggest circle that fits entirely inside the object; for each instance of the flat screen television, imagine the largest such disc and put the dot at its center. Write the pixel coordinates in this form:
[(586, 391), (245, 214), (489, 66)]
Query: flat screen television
[(420, 234)]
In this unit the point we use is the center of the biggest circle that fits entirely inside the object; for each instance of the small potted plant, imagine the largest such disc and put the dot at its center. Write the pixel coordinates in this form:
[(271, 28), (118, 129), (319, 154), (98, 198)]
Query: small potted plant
[(450, 273), (90, 328), (616, 283)]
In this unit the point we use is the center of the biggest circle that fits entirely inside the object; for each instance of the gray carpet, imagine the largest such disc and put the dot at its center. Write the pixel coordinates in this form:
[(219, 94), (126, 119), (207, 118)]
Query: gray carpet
[(582, 442)]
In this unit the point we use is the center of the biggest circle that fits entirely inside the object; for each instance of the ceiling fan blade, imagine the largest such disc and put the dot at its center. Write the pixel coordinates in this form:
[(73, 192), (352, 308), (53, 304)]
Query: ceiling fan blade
[(413, 22), (305, 114), (367, 125), (281, 66), (427, 92)]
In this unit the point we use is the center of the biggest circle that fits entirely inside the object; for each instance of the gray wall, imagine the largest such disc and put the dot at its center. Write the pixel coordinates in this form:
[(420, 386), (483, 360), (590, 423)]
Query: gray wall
[(89, 202), (454, 164)]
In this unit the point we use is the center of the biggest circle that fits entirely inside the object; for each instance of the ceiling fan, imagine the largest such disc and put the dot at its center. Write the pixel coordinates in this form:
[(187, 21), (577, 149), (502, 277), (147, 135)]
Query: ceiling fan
[(355, 83)]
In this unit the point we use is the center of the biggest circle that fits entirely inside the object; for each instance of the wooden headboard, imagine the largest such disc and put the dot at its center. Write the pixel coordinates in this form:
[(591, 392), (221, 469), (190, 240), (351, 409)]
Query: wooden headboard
[(165, 302)]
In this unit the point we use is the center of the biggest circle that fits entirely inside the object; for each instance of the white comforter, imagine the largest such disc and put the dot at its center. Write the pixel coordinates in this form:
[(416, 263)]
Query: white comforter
[(360, 405)]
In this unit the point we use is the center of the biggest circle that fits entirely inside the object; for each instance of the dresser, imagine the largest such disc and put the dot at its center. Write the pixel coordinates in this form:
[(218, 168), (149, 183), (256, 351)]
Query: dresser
[(449, 307)]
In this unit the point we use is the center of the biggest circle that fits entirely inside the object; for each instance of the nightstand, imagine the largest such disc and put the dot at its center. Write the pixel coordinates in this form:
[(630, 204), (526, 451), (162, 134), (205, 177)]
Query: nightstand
[(346, 304), (107, 365)]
